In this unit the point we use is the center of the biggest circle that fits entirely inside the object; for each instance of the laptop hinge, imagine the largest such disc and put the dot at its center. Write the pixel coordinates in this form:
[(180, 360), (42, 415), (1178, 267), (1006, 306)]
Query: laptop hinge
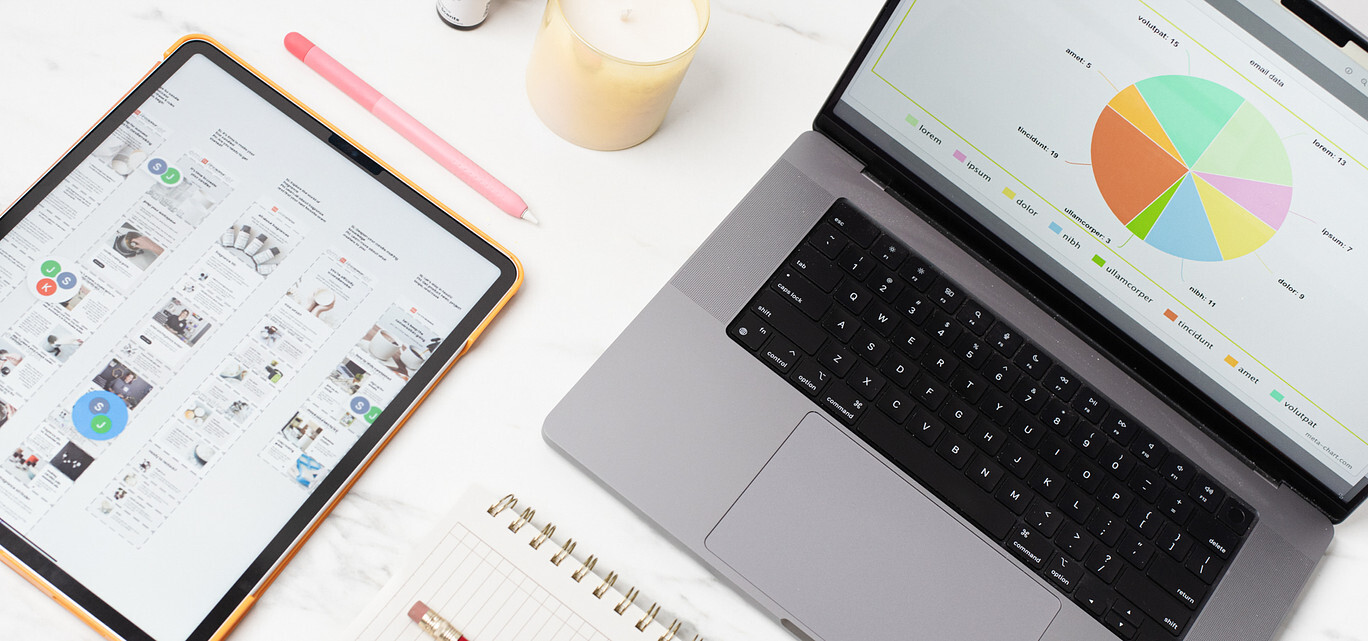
[(874, 179)]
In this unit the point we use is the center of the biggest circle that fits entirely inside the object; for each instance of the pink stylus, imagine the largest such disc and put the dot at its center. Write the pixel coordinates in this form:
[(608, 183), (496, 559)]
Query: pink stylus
[(408, 127)]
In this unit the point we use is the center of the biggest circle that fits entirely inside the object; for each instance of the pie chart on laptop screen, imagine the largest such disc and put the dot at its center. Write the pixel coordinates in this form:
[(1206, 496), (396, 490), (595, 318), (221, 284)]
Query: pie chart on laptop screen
[(1192, 168)]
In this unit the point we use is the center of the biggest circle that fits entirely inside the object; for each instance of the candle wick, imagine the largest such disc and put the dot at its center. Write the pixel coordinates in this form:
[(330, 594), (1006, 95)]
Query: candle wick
[(626, 15)]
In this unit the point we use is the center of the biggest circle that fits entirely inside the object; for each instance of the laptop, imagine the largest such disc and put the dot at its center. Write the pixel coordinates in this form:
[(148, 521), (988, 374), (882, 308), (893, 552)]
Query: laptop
[(1045, 331)]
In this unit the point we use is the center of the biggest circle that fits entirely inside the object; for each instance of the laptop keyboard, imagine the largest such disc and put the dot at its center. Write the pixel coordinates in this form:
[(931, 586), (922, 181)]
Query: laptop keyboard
[(1069, 484)]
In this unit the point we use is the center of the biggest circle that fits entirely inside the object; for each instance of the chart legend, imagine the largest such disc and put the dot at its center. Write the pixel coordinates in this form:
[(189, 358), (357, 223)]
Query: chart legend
[(1230, 360), (1054, 227), (959, 155), (1191, 168), (1007, 191), (1277, 396), (912, 120), (1100, 261), (1170, 314)]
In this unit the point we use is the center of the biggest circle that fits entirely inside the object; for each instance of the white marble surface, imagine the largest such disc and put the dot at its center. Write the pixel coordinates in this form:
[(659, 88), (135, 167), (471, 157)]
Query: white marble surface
[(615, 226)]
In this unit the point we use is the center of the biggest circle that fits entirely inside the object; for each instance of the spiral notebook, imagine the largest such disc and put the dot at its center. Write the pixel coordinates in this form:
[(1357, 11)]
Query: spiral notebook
[(498, 573)]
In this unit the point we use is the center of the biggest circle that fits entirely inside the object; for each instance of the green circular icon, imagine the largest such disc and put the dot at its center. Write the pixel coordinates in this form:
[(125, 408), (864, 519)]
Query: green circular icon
[(100, 424), (171, 176), (51, 268), (373, 414)]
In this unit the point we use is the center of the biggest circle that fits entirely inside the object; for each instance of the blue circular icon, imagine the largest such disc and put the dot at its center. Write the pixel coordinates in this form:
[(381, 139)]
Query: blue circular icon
[(99, 415), (360, 405), (66, 280), (157, 166)]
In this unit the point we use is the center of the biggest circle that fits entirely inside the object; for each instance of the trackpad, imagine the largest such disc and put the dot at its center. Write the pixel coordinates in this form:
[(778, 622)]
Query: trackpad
[(854, 552)]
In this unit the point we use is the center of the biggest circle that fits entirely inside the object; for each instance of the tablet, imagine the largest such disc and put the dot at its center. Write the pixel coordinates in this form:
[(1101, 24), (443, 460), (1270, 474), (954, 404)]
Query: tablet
[(214, 311)]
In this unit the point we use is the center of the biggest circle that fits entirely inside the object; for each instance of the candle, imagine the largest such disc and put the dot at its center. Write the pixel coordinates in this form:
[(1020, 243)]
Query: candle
[(603, 72)]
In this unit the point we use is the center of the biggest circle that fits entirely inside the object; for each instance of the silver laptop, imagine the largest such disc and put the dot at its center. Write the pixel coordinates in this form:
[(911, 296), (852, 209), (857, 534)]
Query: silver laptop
[(1051, 329)]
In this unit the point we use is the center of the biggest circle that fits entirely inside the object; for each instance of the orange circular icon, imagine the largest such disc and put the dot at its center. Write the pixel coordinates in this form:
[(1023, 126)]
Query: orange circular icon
[(47, 287)]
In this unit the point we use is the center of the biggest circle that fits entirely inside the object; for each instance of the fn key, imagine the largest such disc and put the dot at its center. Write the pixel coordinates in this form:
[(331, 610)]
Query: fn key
[(750, 331)]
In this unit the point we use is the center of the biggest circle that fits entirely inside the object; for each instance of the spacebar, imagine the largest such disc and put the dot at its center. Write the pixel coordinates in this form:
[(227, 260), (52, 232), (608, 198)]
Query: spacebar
[(937, 475)]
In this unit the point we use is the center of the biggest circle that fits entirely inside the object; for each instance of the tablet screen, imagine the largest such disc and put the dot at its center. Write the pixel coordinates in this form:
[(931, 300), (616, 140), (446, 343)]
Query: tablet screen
[(198, 321)]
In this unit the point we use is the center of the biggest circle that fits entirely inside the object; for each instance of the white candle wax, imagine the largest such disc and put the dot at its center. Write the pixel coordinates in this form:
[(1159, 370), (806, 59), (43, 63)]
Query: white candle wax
[(636, 30)]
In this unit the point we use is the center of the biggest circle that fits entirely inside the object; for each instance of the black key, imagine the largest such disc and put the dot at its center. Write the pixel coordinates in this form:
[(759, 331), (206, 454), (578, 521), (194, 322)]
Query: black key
[(1120, 426), (926, 427), (1205, 564), (843, 403), (1014, 495), (1146, 484), (929, 391), (955, 450), (789, 321), (1000, 372), (855, 262), (1115, 498), (1032, 361), (939, 362), (1071, 539), (1135, 548), (895, 404), (985, 472), (889, 251), (836, 358), (1064, 572), (865, 380), (898, 368), (885, 284), (827, 240), (994, 404), (810, 377), (1044, 516), (1016, 458), (852, 296), (957, 490), (1058, 416), (1026, 428), (1055, 452), (1128, 612), (986, 437), (1091, 406), (1147, 448), (914, 306), (1118, 624), (918, 273), (1154, 601), (1046, 481), (968, 385), (943, 328), (1032, 548), (800, 292), (957, 414), (1205, 493), (1178, 582), (1105, 527), (1104, 563), (1061, 382), (780, 353), (1093, 595), (947, 294), (1088, 439), (1236, 516), (1146, 519), (1030, 395), (869, 345), (750, 331), (1173, 540), (1085, 476), (1216, 536), (1117, 460), (880, 318), (971, 350), (816, 267), (1076, 504), (840, 323), (910, 340), (1005, 339), (852, 223), (1175, 505), (1177, 470), (973, 316)]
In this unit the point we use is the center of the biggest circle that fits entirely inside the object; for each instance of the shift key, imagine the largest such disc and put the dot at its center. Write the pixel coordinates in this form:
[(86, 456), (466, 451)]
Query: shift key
[(801, 292)]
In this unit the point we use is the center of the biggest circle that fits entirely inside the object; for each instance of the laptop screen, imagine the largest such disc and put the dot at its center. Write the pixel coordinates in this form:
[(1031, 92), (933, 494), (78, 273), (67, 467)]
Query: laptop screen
[(1193, 171)]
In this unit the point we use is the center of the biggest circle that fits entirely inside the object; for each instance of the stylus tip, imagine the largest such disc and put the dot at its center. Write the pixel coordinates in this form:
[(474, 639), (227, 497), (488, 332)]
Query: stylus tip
[(527, 216), (297, 44)]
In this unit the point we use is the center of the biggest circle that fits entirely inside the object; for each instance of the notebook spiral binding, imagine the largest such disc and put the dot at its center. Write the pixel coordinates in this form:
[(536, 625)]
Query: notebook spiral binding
[(510, 503)]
